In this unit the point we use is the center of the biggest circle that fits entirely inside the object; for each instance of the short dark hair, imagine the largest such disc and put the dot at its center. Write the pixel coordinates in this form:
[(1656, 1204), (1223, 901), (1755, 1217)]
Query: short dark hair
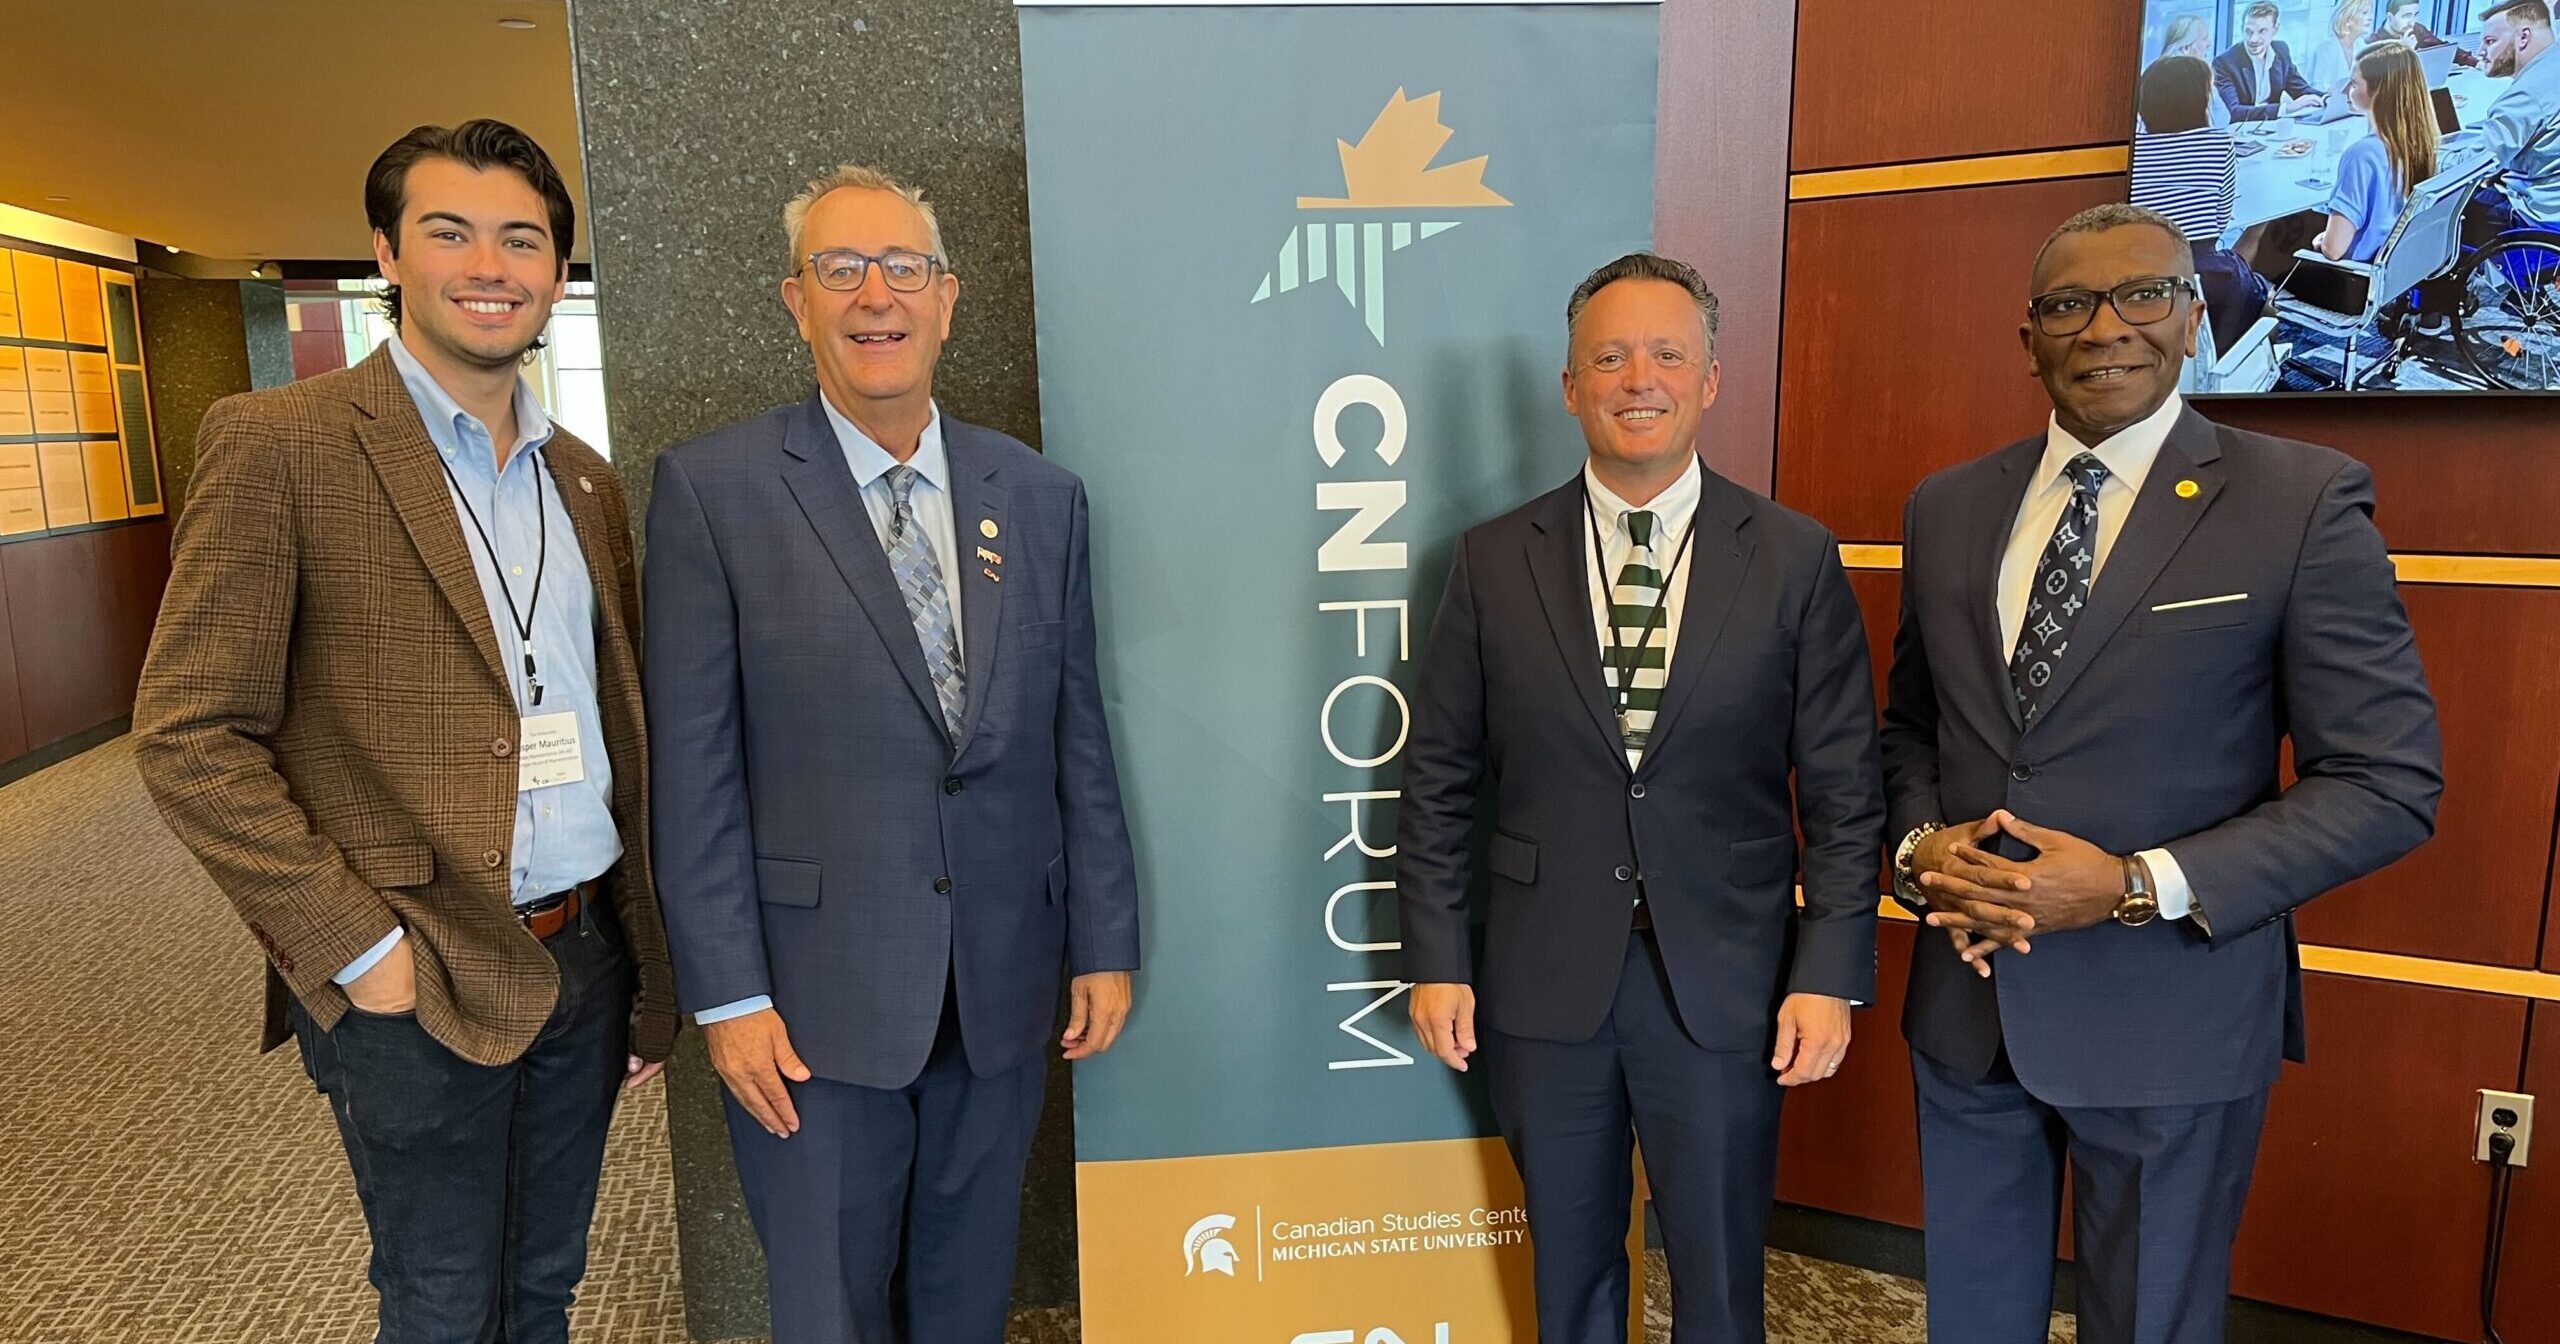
[(2118, 215), (2175, 91), (2536, 12), (2264, 9), (1645, 266), (480, 145)]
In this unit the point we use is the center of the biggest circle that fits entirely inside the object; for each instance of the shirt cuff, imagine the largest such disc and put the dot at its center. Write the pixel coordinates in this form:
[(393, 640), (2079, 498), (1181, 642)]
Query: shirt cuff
[(2169, 882), (372, 955), (739, 1008)]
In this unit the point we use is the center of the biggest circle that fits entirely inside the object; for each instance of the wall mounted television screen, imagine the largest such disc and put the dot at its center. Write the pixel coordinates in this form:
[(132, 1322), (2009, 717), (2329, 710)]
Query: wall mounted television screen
[(2371, 189)]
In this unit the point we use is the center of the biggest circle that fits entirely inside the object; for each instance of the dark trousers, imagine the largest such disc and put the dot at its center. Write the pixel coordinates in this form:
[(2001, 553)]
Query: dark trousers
[(1709, 1124), (2156, 1197), (478, 1182), (2234, 295), (891, 1216)]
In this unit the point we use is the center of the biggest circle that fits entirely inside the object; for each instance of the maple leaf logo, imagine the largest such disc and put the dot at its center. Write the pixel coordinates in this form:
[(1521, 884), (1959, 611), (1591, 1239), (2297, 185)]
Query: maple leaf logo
[(1391, 166)]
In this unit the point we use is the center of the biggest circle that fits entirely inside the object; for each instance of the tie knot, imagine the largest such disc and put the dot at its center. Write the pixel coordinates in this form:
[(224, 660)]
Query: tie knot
[(902, 482), (1639, 526), (2087, 472)]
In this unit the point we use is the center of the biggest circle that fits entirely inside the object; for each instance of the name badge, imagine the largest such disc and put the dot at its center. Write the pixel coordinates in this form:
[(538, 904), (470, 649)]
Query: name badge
[(551, 754)]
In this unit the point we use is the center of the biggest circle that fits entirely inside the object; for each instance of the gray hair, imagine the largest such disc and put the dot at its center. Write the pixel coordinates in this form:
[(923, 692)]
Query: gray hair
[(2117, 215), (1645, 266), (858, 177)]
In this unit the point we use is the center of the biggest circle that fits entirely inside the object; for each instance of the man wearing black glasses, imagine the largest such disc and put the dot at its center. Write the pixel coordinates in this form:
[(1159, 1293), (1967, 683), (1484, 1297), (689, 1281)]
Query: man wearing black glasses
[(2109, 632), (889, 813)]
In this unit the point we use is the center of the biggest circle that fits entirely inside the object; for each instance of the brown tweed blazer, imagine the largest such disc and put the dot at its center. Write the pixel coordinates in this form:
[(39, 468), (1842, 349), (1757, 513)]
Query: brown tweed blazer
[(323, 721)]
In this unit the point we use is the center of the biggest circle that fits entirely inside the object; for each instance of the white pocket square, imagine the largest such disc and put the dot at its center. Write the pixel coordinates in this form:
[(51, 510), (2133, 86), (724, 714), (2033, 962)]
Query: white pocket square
[(2202, 602)]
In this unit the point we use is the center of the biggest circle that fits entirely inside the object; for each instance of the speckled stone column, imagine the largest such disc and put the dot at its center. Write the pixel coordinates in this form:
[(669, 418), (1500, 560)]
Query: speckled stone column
[(701, 118), (270, 335), (197, 347)]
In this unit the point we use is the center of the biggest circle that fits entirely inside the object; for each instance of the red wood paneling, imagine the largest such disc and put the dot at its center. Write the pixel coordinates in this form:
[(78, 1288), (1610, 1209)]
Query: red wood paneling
[(2468, 475), (1945, 79), (1852, 1143), (13, 723), (1901, 341), (2475, 892), (80, 609), (2367, 1204), (2528, 1286)]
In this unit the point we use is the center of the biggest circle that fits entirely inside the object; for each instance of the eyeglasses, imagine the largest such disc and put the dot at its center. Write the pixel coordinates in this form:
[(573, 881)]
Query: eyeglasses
[(845, 269), (1615, 361), (2068, 312)]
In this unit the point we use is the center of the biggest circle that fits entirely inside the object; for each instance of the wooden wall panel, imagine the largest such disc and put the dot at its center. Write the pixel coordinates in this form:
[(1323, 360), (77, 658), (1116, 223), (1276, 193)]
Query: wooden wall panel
[(13, 722), (2474, 892), (1852, 1143), (2366, 1203), (1720, 204), (2455, 474), (1945, 79), (1901, 341), (80, 609), (2528, 1289), (1879, 594)]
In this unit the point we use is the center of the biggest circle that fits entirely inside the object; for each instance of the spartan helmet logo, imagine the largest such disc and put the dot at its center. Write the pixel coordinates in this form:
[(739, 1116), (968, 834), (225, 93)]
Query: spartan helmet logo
[(1205, 1251)]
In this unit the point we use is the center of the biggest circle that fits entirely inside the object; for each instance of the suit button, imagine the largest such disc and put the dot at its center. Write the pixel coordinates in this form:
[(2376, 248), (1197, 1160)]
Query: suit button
[(501, 747), (942, 886), (1625, 873), (2022, 772), (495, 858), (951, 785), (1635, 790)]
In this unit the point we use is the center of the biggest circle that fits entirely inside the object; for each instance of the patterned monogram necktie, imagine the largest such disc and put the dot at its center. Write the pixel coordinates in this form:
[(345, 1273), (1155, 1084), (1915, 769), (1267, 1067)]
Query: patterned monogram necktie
[(1638, 659), (920, 582), (2061, 589)]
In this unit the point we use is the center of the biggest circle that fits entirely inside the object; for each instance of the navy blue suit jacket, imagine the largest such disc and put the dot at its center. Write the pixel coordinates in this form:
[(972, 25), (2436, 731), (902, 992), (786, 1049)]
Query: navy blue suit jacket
[(2235, 78), (1770, 677), (825, 840), (2164, 728)]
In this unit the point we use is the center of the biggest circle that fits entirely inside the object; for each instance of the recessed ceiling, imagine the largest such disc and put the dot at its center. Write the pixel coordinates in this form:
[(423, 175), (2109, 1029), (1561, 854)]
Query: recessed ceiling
[(243, 128)]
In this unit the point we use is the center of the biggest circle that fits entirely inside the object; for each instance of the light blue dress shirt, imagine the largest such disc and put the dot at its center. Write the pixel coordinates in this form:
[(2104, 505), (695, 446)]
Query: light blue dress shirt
[(2522, 131), (2366, 197), (931, 500), (565, 834)]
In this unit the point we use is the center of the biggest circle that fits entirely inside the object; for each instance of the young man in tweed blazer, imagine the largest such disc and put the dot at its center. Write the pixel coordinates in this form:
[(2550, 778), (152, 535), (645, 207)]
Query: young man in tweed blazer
[(393, 706)]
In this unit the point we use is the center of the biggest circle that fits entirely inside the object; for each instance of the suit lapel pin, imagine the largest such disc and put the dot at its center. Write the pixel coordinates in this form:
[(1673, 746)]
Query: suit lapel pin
[(992, 576), (987, 528), (586, 485), (989, 556), (2187, 489)]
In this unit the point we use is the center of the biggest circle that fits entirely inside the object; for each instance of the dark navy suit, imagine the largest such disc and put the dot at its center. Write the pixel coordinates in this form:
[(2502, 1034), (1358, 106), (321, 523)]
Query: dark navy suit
[(2144, 1053), (1585, 1026), (907, 899), (2235, 79)]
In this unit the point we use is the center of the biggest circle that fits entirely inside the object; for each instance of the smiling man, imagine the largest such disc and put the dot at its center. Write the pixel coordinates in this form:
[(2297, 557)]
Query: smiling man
[(1622, 677), (890, 815), (393, 706), (2109, 633)]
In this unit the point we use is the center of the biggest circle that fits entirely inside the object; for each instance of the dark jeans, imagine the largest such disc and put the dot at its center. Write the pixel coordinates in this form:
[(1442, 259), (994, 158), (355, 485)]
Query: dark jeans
[(477, 1182)]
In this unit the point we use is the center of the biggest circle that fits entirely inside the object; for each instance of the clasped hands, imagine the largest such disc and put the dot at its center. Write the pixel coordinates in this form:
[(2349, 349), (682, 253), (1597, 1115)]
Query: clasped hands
[(1986, 903)]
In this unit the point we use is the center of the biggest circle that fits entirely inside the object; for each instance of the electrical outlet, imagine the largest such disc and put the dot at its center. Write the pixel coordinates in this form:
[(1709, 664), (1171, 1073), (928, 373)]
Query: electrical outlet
[(2509, 1113)]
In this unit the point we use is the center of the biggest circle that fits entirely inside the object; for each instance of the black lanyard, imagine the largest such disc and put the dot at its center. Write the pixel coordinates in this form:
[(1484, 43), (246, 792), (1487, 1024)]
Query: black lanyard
[(541, 559), (1622, 672)]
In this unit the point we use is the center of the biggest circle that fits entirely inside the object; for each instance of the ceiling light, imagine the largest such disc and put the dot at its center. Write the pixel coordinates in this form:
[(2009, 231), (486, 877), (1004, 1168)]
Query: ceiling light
[(57, 198), (520, 25), (173, 247)]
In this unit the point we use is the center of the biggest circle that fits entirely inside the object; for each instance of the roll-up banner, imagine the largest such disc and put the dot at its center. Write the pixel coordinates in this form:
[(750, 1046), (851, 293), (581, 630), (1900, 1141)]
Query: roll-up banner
[(1300, 275)]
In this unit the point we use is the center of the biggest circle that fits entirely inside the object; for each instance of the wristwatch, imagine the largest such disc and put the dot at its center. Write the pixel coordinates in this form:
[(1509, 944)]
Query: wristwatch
[(2141, 904), (1906, 883)]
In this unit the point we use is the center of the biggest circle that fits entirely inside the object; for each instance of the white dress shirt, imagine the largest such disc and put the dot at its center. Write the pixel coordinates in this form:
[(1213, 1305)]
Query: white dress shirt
[(1674, 512), (931, 500), (2128, 457)]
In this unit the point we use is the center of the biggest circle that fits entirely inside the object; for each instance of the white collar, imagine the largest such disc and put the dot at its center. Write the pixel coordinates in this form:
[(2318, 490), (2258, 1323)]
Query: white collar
[(2128, 453), (1677, 501)]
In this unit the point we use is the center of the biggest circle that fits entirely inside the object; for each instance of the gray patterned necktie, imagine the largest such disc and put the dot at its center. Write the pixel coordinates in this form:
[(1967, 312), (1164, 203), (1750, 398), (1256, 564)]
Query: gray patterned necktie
[(920, 582), (2063, 578)]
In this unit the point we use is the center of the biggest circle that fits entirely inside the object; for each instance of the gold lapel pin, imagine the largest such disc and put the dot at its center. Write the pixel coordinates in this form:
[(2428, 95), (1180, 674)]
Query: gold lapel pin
[(989, 556), (992, 576), (987, 528), (2187, 489), (586, 485)]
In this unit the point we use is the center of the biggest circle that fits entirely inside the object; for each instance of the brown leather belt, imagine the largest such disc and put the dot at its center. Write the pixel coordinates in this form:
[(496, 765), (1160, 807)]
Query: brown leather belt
[(1644, 916), (542, 921)]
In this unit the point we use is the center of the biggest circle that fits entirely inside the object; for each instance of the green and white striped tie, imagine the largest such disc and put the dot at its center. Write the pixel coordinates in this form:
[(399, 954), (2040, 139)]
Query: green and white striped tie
[(1638, 659)]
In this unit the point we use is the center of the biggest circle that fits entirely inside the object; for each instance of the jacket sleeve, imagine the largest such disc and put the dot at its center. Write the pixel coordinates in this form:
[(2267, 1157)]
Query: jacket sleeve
[(212, 694), (2368, 761), (1910, 736), (1102, 872), (701, 847), (1839, 790), (1443, 771)]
